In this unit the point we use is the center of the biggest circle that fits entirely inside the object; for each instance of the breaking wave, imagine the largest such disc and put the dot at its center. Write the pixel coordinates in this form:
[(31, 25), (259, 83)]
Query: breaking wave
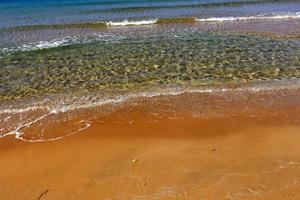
[(132, 23), (255, 17), (60, 42), (267, 16), (105, 36)]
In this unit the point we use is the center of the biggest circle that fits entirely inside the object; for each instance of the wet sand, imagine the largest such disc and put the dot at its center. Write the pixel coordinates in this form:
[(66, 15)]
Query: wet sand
[(233, 145)]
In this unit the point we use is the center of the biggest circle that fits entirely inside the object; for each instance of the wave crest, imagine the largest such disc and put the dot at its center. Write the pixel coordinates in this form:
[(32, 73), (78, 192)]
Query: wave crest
[(131, 23), (60, 42), (70, 40), (254, 17)]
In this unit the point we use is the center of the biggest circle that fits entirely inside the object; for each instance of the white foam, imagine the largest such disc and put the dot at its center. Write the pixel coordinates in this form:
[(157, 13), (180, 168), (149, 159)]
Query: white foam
[(123, 98), (65, 107), (96, 37), (267, 86), (17, 132), (254, 17), (132, 23), (59, 42), (23, 110), (19, 136), (44, 44), (266, 16)]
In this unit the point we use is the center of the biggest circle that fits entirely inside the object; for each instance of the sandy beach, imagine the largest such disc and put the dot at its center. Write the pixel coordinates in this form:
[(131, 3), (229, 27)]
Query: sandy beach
[(188, 146), (149, 100)]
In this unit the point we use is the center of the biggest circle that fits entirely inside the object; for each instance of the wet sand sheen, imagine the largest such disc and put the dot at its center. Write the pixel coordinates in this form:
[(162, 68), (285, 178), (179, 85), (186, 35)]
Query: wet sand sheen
[(189, 146)]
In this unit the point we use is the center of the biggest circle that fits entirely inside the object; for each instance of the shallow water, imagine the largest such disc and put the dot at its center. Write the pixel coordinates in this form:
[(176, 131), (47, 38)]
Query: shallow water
[(36, 12), (60, 55), (185, 57)]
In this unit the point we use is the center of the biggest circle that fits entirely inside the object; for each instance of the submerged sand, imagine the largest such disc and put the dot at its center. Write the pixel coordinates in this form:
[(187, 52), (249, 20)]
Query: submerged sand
[(233, 145)]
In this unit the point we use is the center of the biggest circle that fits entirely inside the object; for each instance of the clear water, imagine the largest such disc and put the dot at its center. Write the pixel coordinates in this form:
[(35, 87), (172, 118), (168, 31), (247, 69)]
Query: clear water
[(68, 47), (184, 57)]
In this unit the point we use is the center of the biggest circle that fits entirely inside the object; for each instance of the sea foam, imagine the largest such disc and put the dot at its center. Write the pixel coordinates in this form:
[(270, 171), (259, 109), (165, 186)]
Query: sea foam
[(132, 23), (265, 16), (254, 17), (56, 109), (65, 41), (60, 42)]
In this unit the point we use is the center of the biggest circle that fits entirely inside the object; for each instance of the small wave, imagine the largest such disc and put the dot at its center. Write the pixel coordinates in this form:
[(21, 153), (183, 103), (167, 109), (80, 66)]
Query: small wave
[(126, 22), (70, 40), (95, 101), (132, 23), (40, 45), (150, 21), (266, 16), (18, 134), (90, 103), (60, 42), (255, 17)]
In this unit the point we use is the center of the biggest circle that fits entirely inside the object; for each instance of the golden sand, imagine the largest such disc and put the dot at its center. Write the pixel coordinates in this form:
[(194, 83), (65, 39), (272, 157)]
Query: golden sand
[(189, 146)]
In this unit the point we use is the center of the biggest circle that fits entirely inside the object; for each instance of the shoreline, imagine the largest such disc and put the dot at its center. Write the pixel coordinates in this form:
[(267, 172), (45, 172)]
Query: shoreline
[(15, 119), (173, 147)]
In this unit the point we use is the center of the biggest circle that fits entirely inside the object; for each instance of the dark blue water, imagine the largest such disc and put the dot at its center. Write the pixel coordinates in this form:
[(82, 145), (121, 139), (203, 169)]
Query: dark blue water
[(36, 12)]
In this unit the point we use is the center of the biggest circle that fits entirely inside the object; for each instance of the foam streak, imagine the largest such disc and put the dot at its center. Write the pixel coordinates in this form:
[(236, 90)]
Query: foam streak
[(132, 23), (257, 17)]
